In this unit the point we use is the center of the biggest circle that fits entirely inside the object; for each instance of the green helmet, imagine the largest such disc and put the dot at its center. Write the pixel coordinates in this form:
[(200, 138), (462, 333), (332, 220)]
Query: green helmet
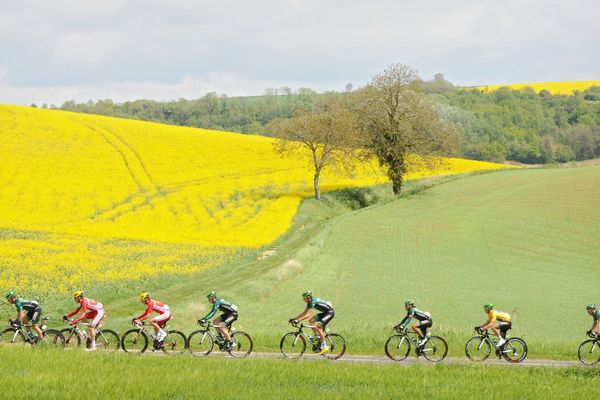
[(10, 293), (488, 306), (211, 294), (409, 303), (590, 307), (307, 293)]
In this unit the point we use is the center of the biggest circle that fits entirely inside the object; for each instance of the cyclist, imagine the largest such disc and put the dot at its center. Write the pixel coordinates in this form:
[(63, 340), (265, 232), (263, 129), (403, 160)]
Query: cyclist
[(158, 322), (498, 321), (28, 311), (595, 314), (91, 310), (423, 317), (319, 321), (225, 320)]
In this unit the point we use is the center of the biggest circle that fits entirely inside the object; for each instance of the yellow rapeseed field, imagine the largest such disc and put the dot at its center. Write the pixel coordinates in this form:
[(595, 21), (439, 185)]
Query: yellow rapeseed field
[(552, 87), (88, 198)]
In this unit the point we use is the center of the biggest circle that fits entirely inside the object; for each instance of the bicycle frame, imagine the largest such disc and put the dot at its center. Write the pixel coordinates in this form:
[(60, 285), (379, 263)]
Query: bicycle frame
[(314, 339), (215, 328), (486, 337), (25, 329)]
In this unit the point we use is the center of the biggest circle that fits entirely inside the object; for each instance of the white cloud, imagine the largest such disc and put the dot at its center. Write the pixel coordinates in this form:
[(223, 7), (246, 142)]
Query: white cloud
[(183, 48)]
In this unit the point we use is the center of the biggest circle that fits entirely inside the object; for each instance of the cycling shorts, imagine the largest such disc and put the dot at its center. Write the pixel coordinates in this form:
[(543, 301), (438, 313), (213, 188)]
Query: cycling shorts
[(504, 327), (95, 317), (227, 319), (34, 315), (162, 319), (426, 323), (324, 318)]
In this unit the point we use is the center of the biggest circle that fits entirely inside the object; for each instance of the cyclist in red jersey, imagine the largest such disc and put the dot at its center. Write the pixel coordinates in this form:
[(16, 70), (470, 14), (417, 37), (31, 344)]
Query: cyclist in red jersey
[(91, 310), (158, 322)]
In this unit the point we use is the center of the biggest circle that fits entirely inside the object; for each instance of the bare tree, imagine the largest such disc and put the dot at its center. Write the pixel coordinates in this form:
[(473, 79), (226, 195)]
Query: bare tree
[(328, 131), (399, 120)]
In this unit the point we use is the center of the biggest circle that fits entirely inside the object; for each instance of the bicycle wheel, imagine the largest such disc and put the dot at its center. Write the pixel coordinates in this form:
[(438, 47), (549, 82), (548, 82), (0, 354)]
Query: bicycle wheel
[(134, 341), (200, 343), (72, 339), (514, 350), (337, 346), (589, 352), (435, 349), (52, 339), (11, 336), (241, 345), (478, 349), (292, 345), (175, 343), (108, 340), (397, 347)]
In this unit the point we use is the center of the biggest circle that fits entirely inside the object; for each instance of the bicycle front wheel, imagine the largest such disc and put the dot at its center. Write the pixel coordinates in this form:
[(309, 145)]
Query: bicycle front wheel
[(72, 339), (478, 349), (241, 344), (134, 341), (397, 347), (11, 336), (108, 340), (514, 350), (435, 349), (175, 343), (52, 339), (589, 352), (337, 346), (292, 345), (200, 343)]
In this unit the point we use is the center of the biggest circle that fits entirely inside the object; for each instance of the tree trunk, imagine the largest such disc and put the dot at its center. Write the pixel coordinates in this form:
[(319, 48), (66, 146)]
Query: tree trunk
[(316, 184), (397, 185)]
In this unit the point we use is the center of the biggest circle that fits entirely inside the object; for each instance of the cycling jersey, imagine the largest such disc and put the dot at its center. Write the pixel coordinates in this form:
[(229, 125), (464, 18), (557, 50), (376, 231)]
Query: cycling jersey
[(414, 312), (596, 315), (156, 306), (224, 306), (86, 304), (27, 305), (494, 315), (323, 306)]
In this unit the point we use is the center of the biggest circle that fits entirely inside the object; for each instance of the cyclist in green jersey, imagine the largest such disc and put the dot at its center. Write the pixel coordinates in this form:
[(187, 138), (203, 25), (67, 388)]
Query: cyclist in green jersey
[(225, 320), (423, 317), (320, 320), (595, 314), (28, 311)]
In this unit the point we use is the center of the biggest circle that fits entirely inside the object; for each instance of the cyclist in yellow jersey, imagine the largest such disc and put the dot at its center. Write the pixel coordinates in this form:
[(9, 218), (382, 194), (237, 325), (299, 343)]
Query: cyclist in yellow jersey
[(499, 322)]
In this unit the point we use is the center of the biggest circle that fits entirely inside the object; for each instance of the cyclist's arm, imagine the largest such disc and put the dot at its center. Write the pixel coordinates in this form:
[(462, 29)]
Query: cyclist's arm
[(83, 305), (596, 326), (304, 315), (20, 315), (74, 312), (146, 313), (213, 310), (405, 321)]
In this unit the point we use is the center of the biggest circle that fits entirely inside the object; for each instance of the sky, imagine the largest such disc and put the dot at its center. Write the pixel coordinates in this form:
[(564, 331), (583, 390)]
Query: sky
[(52, 50)]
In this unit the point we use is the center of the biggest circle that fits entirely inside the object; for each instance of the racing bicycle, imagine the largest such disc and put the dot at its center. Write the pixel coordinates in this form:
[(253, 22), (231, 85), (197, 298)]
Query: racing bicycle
[(293, 344), (202, 341), (106, 339), (398, 346), (22, 334), (589, 350), (479, 348), (136, 340)]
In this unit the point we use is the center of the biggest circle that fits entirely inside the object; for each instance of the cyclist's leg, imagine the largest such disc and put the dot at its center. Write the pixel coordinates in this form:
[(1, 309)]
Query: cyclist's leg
[(227, 321), (504, 328), (158, 323), (324, 320), (318, 326), (34, 317), (416, 328), (423, 326), (95, 320)]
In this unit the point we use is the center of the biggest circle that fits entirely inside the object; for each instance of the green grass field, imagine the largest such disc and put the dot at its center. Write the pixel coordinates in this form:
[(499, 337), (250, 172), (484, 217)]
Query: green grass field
[(27, 374), (527, 240)]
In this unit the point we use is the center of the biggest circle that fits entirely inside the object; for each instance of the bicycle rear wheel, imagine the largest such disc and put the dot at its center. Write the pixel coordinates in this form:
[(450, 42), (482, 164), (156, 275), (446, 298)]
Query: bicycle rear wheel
[(108, 340), (72, 339), (514, 350), (175, 343), (478, 349), (134, 341), (241, 344), (52, 339), (292, 345), (435, 349), (11, 336), (337, 346), (397, 347), (589, 352), (200, 343)]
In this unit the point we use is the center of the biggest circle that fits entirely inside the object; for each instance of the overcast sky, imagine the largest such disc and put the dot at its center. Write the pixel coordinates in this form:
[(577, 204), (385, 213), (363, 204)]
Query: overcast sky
[(53, 51)]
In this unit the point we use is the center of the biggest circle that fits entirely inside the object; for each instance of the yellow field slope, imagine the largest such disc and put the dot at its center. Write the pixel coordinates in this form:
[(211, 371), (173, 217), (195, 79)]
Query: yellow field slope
[(553, 87), (86, 197)]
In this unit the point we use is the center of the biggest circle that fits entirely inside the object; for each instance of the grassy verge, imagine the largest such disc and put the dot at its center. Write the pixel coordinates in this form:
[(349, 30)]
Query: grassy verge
[(69, 374)]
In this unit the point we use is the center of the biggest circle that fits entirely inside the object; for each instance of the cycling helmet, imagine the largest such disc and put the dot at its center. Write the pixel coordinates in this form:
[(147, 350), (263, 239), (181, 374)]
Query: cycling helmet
[(10, 293), (77, 294), (144, 296), (211, 294), (590, 307), (488, 306), (307, 293), (409, 303)]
